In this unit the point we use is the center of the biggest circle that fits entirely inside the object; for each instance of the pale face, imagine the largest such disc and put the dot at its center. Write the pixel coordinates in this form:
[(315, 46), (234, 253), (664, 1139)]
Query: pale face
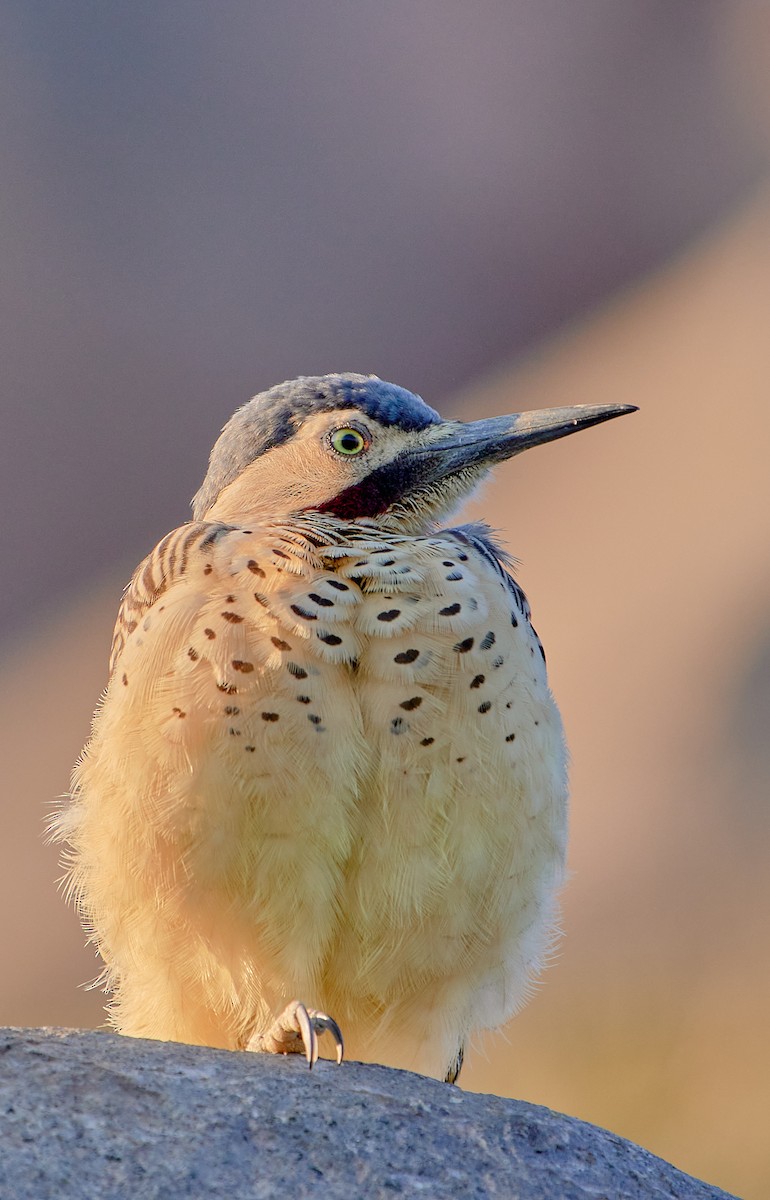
[(330, 454)]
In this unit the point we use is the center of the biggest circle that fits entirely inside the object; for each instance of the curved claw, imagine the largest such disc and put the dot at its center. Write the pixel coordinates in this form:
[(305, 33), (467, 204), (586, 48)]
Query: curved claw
[(298, 1028), (326, 1024), (307, 1033)]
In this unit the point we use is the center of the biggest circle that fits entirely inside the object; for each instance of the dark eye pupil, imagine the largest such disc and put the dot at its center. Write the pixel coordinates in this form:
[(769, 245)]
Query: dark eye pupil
[(350, 441)]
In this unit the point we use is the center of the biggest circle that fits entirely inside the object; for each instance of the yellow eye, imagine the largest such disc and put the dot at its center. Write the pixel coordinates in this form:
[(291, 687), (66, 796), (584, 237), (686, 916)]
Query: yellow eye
[(349, 441)]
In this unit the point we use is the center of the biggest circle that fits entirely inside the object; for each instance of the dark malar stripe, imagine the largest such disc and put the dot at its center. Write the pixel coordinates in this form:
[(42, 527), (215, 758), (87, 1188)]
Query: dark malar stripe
[(381, 489)]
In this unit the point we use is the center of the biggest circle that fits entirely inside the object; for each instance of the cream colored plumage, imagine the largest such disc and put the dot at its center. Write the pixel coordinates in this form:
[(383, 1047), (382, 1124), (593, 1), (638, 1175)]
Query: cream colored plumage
[(328, 765)]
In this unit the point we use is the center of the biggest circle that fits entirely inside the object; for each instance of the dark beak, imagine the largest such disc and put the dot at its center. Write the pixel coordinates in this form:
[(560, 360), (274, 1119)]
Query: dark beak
[(486, 442)]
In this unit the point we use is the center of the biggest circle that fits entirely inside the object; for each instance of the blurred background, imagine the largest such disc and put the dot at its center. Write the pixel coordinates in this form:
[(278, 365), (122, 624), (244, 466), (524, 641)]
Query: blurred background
[(513, 204)]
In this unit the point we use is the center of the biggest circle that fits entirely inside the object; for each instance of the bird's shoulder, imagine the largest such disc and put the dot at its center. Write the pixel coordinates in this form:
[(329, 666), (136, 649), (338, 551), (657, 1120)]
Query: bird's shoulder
[(166, 563), (483, 540)]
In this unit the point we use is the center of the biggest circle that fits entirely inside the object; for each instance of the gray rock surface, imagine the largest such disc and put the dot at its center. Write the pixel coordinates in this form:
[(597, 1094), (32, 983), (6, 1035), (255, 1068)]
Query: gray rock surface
[(89, 1115)]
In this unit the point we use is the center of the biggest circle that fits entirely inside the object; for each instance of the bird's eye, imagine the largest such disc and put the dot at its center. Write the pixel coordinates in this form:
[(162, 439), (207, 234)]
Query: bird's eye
[(349, 441)]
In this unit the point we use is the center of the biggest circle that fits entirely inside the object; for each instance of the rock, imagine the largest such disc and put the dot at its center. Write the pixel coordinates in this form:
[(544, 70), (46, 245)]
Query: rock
[(94, 1115)]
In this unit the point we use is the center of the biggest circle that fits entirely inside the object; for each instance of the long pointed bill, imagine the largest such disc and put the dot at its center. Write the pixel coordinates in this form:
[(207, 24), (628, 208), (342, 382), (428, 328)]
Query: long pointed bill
[(483, 443)]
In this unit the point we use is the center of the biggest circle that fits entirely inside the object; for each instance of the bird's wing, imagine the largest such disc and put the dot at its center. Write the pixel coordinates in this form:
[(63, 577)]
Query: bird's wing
[(214, 801), (480, 537), (162, 567)]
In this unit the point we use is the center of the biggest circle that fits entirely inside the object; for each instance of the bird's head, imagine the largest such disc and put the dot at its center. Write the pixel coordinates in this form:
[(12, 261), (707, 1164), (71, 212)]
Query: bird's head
[(356, 447)]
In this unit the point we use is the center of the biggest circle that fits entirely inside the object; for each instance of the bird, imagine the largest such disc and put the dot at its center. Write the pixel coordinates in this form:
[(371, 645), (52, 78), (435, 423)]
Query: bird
[(325, 792)]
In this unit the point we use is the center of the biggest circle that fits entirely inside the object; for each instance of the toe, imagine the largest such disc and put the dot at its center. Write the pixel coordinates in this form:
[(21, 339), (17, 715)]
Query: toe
[(298, 1028)]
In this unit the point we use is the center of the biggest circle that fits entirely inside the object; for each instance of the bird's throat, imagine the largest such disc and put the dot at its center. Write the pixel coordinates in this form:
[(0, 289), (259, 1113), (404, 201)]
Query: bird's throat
[(403, 495)]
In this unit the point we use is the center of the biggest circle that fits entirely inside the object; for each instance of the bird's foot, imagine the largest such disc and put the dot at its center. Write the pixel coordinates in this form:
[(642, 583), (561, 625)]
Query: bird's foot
[(297, 1030)]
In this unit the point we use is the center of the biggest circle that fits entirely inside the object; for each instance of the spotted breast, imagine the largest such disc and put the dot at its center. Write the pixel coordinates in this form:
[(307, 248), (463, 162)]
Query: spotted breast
[(311, 715)]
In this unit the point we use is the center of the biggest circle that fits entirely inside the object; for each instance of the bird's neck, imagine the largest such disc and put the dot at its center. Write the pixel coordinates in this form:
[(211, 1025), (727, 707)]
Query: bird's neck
[(325, 527)]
